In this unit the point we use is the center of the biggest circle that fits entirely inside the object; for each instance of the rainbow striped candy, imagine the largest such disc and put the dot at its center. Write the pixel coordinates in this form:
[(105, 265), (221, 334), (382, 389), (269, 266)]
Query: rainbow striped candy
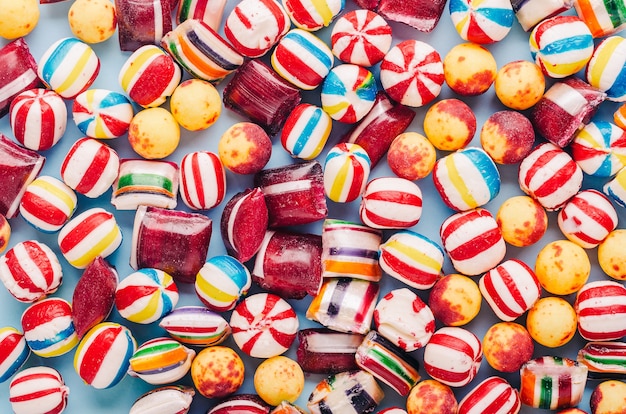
[(561, 45), (599, 149), (13, 352), (601, 310), (604, 17), (146, 296), (161, 361), (145, 182), (313, 15), (91, 234), (68, 67), (391, 203), (412, 258), (196, 325), (361, 37), (346, 171), (604, 359), (48, 204), (101, 359), (48, 327), (482, 22), (38, 118), (348, 93), (38, 389), (202, 180), (100, 113), (587, 218), (168, 399), (306, 131), (209, 11), (221, 282), (607, 68), (493, 395)]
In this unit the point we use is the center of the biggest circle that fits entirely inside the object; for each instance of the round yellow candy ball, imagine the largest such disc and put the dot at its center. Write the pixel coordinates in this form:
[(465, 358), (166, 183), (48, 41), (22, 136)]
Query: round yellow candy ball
[(551, 322), (469, 69), (430, 396), (196, 104), (522, 221), (450, 124), (562, 267), (611, 255), (520, 84), (92, 21), (18, 17), (217, 371), (154, 133), (279, 379), (507, 346), (5, 233), (609, 397)]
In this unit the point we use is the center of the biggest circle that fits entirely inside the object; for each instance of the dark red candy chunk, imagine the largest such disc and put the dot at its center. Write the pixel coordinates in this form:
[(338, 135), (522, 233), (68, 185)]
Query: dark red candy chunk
[(18, 72), (142, 22), (420, 14), (324, 351), (367, 4)]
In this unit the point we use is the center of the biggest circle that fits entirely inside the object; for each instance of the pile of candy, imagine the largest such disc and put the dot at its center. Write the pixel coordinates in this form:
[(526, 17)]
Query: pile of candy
[(327, 292)]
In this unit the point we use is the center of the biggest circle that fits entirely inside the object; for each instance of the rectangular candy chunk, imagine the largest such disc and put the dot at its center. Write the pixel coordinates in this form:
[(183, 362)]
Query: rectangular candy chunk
[(18, 72), (142, 22), (420, 14), (531, 12), (324, 351)]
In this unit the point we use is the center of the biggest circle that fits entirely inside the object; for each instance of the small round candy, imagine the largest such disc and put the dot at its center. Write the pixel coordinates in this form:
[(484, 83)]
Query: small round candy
[(610, 255), (562, 267), (411, 156), (5, 233), (361, 37), (599, 149), (522, 220), (469, 69), (146, 296), (609, 397), (431, 396), (391, 203), (346, 171), (306, 131), (551, 322), (450, 124), (561, 45), (312, 15), (161, 361), (154, 133), (92, 21), (217, 371), (348, 93), (279, 379), (196, 104), (47, 204), (507, 346), (202, 180), (221, 282), (100, 113), (482, 22), (48, 327), (38, 389), (520, 84), (607, 68), (587, 218), (507, 136), (455, 300), (601, 309), (15, 352), (19, 18), (245, 148)]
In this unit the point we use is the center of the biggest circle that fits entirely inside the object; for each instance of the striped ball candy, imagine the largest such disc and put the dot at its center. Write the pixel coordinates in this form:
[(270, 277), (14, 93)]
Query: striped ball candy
[(453, 356), (587, 218), (146, 296), (221, 282), (473, 241), (101, 358), (313, 15), (38, 389), (494, 395), (100, 113), (391, 203), (482, 22), (601, 310), (196, 326), (38, 118), (69, 67), (607, 68), (241, 403), (346, 171), (306, 131), (361, 37), (161, 361), (202, 180), (48, 204), (13, 352), (348, 93), (48, 327), (169, 398), (599, 149)]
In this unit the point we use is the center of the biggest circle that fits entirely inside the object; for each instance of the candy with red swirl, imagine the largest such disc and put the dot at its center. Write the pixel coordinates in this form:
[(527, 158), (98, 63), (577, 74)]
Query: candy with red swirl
[(38, 118), (600, 149), (313, 15), (38, 389), (18, 72), (48, 204), (100, 113), (146, 296), (306, 131), (169, 398), (346, 172), (48, 327), (604, 359), (142, 23), (482, 22), (13, 352), (361, 37), (161, 361), (196, 326), (587, 218), (493, 395), (391, 203), (606, 69), (202, 180), (348, 93), (601, 307)]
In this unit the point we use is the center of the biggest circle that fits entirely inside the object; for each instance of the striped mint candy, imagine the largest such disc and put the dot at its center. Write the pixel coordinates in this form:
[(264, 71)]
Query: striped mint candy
[(146, 295), (600, 149), (313, 15), (391, 203), (13, 352), (601, 310), (202, 180), (38, 389), (196, 325), (208, 11), (361, 37), (306, 131), (48, 327), (494, 395), (587, 218), (100, 113), (48, 204), (221, 282), (346, 171)]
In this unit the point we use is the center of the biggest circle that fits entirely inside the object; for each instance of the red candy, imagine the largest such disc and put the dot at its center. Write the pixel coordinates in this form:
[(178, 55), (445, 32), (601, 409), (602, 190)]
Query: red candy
[(202, 180), (391, 203), (18, 72), (420, 14), (142, 22)]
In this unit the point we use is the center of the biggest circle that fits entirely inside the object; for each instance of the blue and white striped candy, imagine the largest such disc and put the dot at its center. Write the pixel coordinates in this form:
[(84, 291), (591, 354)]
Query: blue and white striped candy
[(482, 22), (221, 282), (100, 113), (13, 352), (196, 325), (306, 131), (348, 93)]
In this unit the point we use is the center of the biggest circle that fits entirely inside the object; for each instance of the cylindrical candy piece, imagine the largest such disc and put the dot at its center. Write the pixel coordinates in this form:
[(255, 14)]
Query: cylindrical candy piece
[(313, 15), (169, 399), (453, 356), (325, 351), (100, 113), (145, 182), (48, 204), (348, 93), (599, 149), (142, 22), (349, 392), (13, 352), (48, 327), (361, 37), (202, 180), (494, 395), (531, 12), (607, 68), (391, 203), (161, 361), (196, 325), (146, 296), (587, 218), (604, 17), (221, 282), (38, 389), (346, 172), (305, 131), (604, 360), (601, 310), (482, 22), (552, 383)]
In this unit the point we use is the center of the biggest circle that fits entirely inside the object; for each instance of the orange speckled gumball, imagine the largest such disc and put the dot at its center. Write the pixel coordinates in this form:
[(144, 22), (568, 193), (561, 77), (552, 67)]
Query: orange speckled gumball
[(611, 255), (18, 18), (450, 124), (245, 148), (507, 346), (469, 69), (455, 300), (609, 397), (196, 104), (92, 21), (217, 371), (520, 84), (522, 221), (430, 396), (5, 233), (507, 136), (279, 379), (551, 322), (562, 267), (572, 411), (411, 156), (154, 133)]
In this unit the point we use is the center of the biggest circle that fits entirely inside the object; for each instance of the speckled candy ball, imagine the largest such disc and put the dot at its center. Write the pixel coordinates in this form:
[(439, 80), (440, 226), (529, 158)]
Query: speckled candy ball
[(507, 346), (411, 156), (154, 133), (562, 267), (609, 397), (551, 322), (5, 233), (507, 136), (18, 17), (522, 220), (196, 104), (430, 396), (469, 69), (450, 124), (92, 21), (245, 148), (217, 371), (520, 84), (279, 379), (610, 254), (455, 300)]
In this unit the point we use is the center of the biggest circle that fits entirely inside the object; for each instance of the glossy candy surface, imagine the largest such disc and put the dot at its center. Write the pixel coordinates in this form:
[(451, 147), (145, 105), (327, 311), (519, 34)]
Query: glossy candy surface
[(48, 327), (146, 296), (202, 180), (482, 22), (48, 204), (196, 326), (18, 73), (142, 22), (244, 223), (221, 282), (161, 361), (346, 172), (13, 352), (348, 93), (38, 118), (100, 113), (36, 389)]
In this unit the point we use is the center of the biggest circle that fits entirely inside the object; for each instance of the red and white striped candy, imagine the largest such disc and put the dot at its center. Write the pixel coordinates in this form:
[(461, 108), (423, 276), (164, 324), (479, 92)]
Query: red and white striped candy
[(312, 15), (391, 203), (202, 180), (49, 328), (494, 396), (587, 218), (48, 204), (13, 352), (38, 390), (361, 37), (601, 310), (38, 118), (473, 241)]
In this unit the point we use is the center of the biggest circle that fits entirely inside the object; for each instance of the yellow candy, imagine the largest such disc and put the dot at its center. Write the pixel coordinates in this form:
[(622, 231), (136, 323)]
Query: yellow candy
[(92, 21), (609, 397), (18, 17), (154, 133), (279, 379), (5, 233), (411, 156), (611, 255), (562, 267), (469, 69), (520, 84), (507, 346), (245, 148), (450, 124), (522, 221), (455, 300), (217, 371), (196, 104), (551, 322)]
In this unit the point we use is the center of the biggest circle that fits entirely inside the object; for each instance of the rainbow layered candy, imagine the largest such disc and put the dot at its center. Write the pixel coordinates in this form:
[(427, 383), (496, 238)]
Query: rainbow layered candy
[(391, 203), (313, 15), (196, 326), (100, 113), (348, 93), (169, 398), (587, 218), (493, 395), (482, 22), (145, 182), (221, 282), (361, 37), (346, 172), (202, 180), (38, 118), (607, 68), (48, 327), (599, 149), (306, 131), (604, 360), (161, 361), (13, 352), (146, 295), (604, 17), (38, 389), (601, 310), (48, 204)]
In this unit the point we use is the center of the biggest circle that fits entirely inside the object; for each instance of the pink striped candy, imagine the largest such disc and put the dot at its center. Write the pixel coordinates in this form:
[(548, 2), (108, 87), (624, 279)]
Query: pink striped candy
[(587, 218), (391, 203), (202, 180), (601, 310), (306, 131), (361, 37), (48, 327), (494, 395), (38, 390), (38, 118), (48, 204), (346, 171), (13, 352)]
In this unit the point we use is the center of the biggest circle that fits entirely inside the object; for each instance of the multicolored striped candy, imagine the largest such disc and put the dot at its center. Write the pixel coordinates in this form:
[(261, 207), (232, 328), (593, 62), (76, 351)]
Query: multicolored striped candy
[(69, 67), (313, 15), (146, 296), (209, 11), (346, 171), (599, 149), (38, 389), (170, 399), (412, 258), (604, 360), (13, 352), (361, 37), (306, 131), (161, 361), (604, 17), (221, 282), (587, 218), (607, 67), (601, 310), (196, 326), (391, 203), (48, 204), (285, 407), (241, 403), (48, 327), (92, 233), (349, 392), (531, 12), (482, 22), (350, 250), (100, 113), (90, 167), (202, 180), (493, 395), (101, 359), (38, 118), (348, 93), (145, 182), (30, 271)]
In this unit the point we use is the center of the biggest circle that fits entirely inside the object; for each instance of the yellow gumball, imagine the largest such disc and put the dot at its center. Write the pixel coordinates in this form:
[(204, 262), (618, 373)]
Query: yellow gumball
[(92, 21), (450, 124), (279, 379), (551, 322), (520, 84), (196, 104), (562, 267), (611, 255), (5, 233), (154, 133), (469, 69), (18, 17), (522, 220)]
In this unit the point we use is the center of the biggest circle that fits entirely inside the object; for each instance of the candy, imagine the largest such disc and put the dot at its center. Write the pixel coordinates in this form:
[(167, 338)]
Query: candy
[(609, 255), (607, 68), (349, 392), (305, 131), (245, 148), (587, 218), (420, 14), (279, 379), (170, 398), (348, 93), (146, 296), (507, 346), (449, 124), (101, 359), (550, 175), (302, 59), (161, 361), (404, 319), (604, 360), (48, 204), (412, 73), (492, 395), (507, 136), (38, 118), (90, 167), (5, 233), (261, 95), (312, 15), (608, 397), (520, 84), (202, 180), (244, 223), (551, 322), (210, 12), (38, 389), (196, 104), (221, 282), (531, 12), (196, 326), (552, 383), (217, 371), (522, 221), (346, 171), (13, 350), (411, 156), (153, 133), (345, 305), (100, 113), (264, 325), (466, 179), (562, 267), (600, 307), (469, 69), (455, 300), (350, 250), (145, 182), (391, 203), (30, 271), (18, 73), (149, 76), (482, 22), (285, 407), (92, 21), (68, 67), (453, 356), (19, 19), (361, 37), (604, 17), (142, 22), (615, 188), (325, 351), (241, 403), (48, 327), (431, 395), (599, 149), (176, 242), (412, 258), (296, 255)]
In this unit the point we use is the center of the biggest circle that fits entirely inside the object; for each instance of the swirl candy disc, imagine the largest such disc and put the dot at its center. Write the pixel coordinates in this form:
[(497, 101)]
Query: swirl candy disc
[(48, 204), (13, 352), (391, 203), (607, 68), (599, 149), (601, 310), (38, 390), (221, 282), (196, 325), (588, 218), (482, 22), (313, 15), (161, 361), (48, 327), (361, 37), (305, 131), (100, 113), (146, 296), (346, 171), (348, 93), (202, 180)]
